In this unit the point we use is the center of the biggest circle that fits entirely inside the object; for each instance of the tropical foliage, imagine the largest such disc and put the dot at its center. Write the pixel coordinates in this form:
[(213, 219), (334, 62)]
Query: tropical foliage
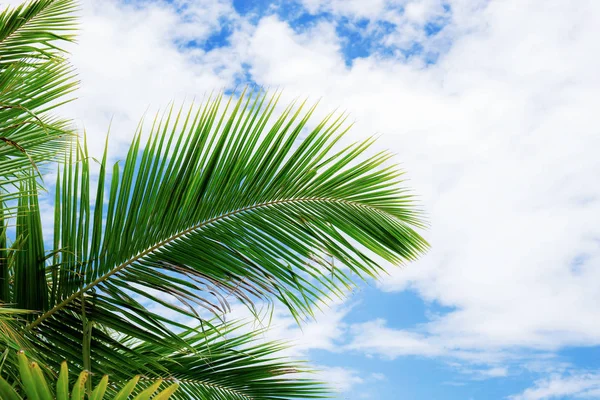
[(35, 78), (37, 388), (228, 201)]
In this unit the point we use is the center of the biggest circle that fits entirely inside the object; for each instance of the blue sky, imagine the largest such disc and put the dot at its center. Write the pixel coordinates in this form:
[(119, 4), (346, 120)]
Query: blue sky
[(490, 107)]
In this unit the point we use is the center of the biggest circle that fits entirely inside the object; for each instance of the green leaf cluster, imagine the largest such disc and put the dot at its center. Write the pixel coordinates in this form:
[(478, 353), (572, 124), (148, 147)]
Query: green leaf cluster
[(35, 79), (36, 386)]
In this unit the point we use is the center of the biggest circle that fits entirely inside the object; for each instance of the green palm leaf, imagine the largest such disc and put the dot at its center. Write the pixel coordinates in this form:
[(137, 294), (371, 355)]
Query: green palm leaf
[(12, 339), (34, 80), (216, 205), (223, 363), (31, 31), (220, 361)]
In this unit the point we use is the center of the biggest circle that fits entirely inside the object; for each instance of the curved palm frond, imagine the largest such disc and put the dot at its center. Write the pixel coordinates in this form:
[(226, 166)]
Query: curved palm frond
[(222, 361), (34, 79), (32, 31), (10, 332), (216, 206)]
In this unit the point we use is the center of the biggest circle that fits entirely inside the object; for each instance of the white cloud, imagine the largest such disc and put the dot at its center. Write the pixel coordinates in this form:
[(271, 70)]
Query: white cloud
[(375, 338), (300, 56), (341, 379), (378, 376), (130, 61), (578, 386), (498, 140), (325, 332), (496, 372), (484, 373)]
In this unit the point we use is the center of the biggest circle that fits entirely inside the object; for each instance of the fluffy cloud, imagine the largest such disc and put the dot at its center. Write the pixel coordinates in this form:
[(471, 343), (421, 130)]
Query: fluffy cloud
[(132, 58), (375, 338), (579, 386), (340, 379), (497, 138), (326, 332)]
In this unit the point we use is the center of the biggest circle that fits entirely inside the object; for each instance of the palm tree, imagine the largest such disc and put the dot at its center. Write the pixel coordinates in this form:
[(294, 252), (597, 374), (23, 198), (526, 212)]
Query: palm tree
[(223, 202)]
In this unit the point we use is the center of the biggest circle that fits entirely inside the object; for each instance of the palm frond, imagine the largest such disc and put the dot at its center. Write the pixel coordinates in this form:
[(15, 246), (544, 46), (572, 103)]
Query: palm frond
[(34, 80), (30, 289), (216, 205), (222, 364), (215, 361), (13, 339), (34, 30), (11, 336)]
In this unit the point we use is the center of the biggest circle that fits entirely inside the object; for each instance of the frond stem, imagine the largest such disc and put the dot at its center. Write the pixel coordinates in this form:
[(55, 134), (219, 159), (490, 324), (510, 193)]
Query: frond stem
[(160, 244)]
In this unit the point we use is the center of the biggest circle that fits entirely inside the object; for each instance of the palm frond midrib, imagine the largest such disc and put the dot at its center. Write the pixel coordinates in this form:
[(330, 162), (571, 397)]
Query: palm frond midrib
[(194, 228)]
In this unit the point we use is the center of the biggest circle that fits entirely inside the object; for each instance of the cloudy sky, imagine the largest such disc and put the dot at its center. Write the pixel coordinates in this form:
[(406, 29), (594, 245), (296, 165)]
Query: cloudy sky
[(489, 107)]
